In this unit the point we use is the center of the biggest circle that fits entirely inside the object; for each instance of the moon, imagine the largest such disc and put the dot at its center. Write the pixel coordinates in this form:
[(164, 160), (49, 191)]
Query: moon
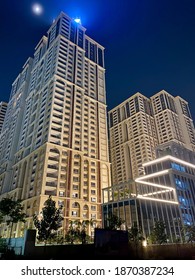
[(37, 9)]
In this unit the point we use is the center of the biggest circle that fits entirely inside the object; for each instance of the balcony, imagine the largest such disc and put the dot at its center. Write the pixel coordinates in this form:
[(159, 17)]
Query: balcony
[(51, 184), (52, 175)]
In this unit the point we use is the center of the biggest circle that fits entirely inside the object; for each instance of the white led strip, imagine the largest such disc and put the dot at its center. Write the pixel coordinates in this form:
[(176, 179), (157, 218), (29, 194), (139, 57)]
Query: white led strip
[(148, 194), (142, 181), (174, 159), (155, 199)]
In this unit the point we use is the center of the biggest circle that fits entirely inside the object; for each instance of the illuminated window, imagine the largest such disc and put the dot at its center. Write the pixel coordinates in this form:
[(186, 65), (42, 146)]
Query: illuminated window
[(177, 167), (187, 218)]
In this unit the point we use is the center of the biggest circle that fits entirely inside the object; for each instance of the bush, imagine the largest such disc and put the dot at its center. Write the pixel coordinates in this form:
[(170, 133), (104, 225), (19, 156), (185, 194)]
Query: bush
[(3, 245)]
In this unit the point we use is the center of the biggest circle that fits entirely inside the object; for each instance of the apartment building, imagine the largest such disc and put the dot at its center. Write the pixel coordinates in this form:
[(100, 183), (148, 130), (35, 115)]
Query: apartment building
[(157, 175), (133, 137), (139, 124), (3, 108), (57, 123), (173, 120)]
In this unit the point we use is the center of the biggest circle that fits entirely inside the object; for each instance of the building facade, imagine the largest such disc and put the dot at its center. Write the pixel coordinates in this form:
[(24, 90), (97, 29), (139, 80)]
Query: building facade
[(3, 108), (133, 137), (165, 193), (57, 123), (173, 120), (162, 179), (139, 124)]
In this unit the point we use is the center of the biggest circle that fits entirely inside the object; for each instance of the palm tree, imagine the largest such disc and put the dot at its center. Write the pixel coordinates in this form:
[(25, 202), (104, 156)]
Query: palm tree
[(78, 230), (73, 233)]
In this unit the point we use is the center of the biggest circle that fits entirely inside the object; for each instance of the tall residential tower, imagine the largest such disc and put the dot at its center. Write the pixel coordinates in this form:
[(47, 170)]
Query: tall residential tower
[(139, 124), (153, 163), (133, 137), (56, 127), (3, 108)]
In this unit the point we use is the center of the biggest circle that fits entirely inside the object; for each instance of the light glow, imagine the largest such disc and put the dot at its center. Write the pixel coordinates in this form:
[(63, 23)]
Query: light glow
[(77, 20), (37, 9), (152, 175), (174, 159), (156, 160), (156, 199), (153, 193), (144, 243), (141, 180), (155, 185)]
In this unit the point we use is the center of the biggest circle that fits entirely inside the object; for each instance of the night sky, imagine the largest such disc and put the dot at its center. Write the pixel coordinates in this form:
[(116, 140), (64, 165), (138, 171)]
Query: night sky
[(149, 44)]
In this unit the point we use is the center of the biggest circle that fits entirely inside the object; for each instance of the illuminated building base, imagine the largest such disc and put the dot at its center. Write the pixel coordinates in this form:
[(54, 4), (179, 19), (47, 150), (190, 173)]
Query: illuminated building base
[(165, 193)]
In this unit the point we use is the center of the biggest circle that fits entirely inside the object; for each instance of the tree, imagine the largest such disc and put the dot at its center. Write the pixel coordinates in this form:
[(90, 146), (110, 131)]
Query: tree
[(11, 210), (158, 235), (49, 222), (135, 237), (78, 231), (3, 245), (114, 222), (73, 233), (189, 232), (83, 229), (1, 218)]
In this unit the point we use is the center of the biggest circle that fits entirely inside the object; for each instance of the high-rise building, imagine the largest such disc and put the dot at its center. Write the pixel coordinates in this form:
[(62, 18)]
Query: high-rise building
[(3, 108), (153, 141), (56, 127), (133, 137), (173, 120), (139, 124)]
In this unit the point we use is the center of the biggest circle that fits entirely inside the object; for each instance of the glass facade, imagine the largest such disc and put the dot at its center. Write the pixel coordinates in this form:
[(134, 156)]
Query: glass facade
[(165, 193)]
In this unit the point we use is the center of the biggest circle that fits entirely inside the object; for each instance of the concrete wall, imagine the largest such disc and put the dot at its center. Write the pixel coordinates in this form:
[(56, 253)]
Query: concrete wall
[(29, 250), (170, 251)]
